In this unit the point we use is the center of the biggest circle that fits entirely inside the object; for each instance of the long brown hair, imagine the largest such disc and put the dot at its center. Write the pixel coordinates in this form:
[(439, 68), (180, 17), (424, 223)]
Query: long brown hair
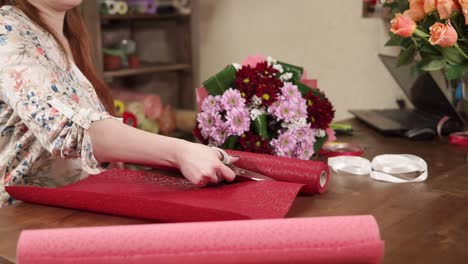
[(80, 44)]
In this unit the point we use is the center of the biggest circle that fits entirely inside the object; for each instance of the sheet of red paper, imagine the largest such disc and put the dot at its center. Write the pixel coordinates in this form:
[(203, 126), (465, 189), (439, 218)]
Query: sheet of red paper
[(350, 239), (165, 198)]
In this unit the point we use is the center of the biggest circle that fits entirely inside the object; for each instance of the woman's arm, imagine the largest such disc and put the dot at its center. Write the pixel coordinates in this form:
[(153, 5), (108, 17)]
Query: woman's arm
[(113, 141), (29, 86)]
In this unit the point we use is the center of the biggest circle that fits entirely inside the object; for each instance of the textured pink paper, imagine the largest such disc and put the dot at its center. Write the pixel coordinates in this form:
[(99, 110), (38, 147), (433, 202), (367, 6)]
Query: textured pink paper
[(165, 198), (351, 239)]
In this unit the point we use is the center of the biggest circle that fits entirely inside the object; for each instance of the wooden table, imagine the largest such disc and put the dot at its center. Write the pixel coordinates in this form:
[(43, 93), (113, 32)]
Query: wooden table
[(420, 222)]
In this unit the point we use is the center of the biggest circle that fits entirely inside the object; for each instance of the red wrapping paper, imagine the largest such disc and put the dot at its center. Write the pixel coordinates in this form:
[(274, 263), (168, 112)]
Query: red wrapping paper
[(314, 175), (165, 198), (351, 239)]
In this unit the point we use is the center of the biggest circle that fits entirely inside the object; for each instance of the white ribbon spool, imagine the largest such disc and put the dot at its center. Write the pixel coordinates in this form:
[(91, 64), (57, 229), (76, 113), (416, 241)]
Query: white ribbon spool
[(382, 167)]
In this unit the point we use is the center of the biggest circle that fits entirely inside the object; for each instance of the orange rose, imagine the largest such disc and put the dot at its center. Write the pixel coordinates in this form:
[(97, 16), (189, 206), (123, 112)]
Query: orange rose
[(443, 35), (416, 10), (429, 6), (416, 4), (403, 26), (446, 8), (464, 6), (415, 14)]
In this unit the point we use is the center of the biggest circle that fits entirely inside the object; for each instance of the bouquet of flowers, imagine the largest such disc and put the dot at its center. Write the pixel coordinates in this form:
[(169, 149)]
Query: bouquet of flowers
[(436, 29), (263, 106)]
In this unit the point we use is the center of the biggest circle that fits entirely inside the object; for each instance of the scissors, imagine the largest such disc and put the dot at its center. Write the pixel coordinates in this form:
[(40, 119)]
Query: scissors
[(239, 171)]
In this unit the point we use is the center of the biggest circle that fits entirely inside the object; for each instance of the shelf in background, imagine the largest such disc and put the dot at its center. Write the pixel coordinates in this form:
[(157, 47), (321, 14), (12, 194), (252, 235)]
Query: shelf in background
[(147, 68), (143, 17)]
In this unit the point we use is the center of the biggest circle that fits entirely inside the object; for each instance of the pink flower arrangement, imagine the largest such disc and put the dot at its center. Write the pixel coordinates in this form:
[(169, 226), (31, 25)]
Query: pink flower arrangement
[(263, 106)]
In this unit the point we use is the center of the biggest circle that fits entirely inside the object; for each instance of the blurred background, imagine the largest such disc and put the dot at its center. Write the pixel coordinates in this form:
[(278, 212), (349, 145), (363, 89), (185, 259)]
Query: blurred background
[(167, 48)]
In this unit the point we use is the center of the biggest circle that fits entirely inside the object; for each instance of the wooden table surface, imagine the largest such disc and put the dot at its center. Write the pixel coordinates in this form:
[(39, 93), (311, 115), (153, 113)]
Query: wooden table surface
[(420, 222)]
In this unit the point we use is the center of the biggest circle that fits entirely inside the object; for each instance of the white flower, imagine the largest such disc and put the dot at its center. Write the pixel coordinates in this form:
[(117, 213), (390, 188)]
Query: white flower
[(271, 61), (295, 124), (320, 133), (285, 77), (256, 112), (256, 100), (278, 67), (237, 66)]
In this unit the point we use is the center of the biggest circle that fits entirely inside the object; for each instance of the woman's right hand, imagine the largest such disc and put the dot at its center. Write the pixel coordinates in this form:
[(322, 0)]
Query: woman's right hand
[(201, 164)]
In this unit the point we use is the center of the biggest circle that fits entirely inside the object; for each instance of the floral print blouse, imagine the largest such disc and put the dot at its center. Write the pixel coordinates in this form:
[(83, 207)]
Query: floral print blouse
[(46, 107)]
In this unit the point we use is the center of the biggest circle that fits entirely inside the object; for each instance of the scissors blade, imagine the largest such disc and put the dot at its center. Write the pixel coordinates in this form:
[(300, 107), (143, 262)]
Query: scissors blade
[(250, 174)]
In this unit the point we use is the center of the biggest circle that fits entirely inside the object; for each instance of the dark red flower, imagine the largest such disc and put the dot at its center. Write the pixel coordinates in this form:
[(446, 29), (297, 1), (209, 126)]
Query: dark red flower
[(245, 81), (268, 93), (263, 69), (260, 81), (254, 143), (319, 109)]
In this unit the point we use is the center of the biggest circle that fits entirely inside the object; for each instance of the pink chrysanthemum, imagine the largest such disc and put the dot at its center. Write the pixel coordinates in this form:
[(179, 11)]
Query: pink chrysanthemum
[(211, 104), (232, 99), (220, 133), (285, 144), (207, 122), (304, 151), (305, 134), (290, 91), (238, 120), (295, 143), (290, 105), (299, 108)]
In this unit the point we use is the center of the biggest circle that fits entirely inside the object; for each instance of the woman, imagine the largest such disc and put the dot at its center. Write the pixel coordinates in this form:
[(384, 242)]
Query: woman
[(55, 121)]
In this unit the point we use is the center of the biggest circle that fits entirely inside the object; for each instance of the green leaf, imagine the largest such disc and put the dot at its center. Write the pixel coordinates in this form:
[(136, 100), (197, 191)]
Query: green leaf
[(406, 42), (295, 70), (463, 47), (230, 142), (220, 82), (428, 21), (393, 41), (406, 55), (431, 64), (304, 89), (429, 50), (452, 55), (456, 72), (261, 126), (319, 143), (458, 22), (416, 70)]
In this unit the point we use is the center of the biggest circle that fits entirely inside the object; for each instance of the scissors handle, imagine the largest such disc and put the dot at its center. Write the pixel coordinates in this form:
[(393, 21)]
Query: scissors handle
[(225, 157), (239, 171)]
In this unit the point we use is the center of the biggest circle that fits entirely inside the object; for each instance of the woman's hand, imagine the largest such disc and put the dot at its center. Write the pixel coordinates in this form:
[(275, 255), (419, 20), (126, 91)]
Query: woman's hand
[(201, 165)]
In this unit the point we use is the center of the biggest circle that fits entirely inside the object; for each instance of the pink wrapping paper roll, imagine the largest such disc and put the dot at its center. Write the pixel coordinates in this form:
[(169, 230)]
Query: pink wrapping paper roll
[(351, 239)]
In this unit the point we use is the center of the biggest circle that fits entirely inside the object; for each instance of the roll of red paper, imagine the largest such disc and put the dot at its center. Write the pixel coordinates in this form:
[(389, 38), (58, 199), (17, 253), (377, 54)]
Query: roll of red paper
[(459, 138), (350, 239), (313, 174), (164, 198)]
